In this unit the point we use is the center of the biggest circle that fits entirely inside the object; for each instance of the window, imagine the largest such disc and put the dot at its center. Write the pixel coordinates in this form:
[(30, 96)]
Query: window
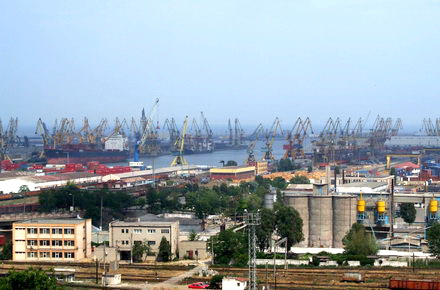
[(32, 242), (57, 254), (19, 252), (44, 255), (45, 231), (124, 231), (44, 243), (32, 231), (151, 231), (137, 231), (56, 243), (125, 242), (151, 243), (32, 254), (69, 231), (69, 255), (19, 229), (165, 231), (69, 243), (57, 231)]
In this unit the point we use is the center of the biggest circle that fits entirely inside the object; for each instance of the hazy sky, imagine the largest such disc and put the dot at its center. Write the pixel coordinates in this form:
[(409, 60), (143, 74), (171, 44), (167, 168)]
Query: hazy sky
[(249, 59)]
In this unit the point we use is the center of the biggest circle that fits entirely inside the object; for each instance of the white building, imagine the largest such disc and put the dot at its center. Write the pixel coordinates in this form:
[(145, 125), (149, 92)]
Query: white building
[(232, 283)]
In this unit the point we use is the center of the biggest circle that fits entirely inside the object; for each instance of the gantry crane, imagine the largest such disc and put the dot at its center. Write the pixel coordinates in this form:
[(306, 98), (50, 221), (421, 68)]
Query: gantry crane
[(180, 143), (295, 137), (270, 139), (149, 142), (251, 160)]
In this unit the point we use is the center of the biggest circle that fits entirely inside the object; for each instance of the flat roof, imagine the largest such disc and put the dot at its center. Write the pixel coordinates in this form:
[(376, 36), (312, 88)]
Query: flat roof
[(52, 221), (370, 184), (143, 223), (232, 169)]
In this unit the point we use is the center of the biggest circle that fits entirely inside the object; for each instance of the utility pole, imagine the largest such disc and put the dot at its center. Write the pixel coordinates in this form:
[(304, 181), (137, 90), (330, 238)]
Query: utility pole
[(252, 220)]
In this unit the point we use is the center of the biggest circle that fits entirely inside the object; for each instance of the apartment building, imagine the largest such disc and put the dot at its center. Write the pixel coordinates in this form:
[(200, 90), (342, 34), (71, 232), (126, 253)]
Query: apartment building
[(63, 240), (124, 234)]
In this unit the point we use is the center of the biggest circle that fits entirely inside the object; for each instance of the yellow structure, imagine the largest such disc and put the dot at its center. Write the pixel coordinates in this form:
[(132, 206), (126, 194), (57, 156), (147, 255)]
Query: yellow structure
[(63, 240), (381, 206), (433, 206), (361, 206), (232, 172), (260, 167)]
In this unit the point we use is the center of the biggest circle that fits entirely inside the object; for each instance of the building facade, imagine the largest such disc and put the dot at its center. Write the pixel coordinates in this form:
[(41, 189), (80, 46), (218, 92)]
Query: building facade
[(61, 240), (124, 234), (232, 172)]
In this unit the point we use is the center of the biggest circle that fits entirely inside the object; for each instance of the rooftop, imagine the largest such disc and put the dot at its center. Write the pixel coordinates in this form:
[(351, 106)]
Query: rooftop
[(142, 223), (53, 221), (364, 184)]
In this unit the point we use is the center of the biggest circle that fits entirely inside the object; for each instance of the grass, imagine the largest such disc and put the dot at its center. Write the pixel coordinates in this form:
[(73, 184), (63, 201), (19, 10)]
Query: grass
[(26, 200)]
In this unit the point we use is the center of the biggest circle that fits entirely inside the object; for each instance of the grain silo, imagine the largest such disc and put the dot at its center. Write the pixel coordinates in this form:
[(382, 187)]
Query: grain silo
[(320, 221), (344, 216), (301, 204)]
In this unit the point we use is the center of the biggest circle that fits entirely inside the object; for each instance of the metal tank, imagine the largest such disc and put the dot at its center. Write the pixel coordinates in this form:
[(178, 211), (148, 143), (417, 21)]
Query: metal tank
[(321, 221), (344, 216), (301, 204)]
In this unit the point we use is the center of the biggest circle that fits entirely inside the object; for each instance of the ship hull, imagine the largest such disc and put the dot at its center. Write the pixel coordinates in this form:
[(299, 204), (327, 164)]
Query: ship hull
[(60, 156)]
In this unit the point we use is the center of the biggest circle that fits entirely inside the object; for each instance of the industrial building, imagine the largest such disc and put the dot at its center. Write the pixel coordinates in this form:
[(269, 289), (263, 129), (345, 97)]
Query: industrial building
[(326, 218), (60, 240), (233, 172)]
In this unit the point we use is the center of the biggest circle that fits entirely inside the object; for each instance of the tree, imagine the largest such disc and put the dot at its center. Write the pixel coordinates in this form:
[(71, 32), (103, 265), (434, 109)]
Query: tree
[(30, 279), (230, 248), (216, 282), (433, 237), (164, 253), (265, 229), (289, 225), (193, 236), (285, 165), (358, 242), (231, 163), (6, 253), (139, 250), (299, 179), (408, 212), (279, 182), (141, 202)]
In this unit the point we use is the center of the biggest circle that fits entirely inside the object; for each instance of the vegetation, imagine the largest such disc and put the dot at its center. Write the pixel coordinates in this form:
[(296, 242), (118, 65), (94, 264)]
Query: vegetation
[(408, 212), (140, 250), (231, 163), (30, 279), (164, 254), (289, 225), (433, 237), (359, 242), (230, 248), (286, 165), (265, 229), (299, 179), (193, 236), (6, 253), (114, 203), (215, 282)]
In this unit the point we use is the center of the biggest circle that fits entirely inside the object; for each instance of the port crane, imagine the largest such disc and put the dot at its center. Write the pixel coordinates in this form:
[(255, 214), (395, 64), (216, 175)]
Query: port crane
[(251, 160), (173, 131), (270, 139), (149, 139), (295, 137), (180, 144)]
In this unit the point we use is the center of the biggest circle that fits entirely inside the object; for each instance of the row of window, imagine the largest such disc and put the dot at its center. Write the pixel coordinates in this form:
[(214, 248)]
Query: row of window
[(68, 255), (67, 243), (150, 231), (47, 231), (126, 243)]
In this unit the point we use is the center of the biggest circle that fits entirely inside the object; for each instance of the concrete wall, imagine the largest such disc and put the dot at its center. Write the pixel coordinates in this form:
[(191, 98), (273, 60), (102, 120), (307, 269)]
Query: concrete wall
[(344, 216), (301, 204), (320, 221)]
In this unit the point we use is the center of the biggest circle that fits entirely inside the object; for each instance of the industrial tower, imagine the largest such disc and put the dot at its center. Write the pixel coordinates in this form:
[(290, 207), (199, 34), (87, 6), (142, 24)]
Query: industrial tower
[(252, 220)]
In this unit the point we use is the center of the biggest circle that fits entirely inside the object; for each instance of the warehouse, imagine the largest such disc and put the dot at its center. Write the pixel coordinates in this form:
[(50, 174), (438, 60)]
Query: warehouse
[(233, 172)]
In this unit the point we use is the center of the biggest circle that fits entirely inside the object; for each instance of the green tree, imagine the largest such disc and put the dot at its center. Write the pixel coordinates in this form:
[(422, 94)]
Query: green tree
[(408, 212), (230, 248), (216, 282), (289, 225), (139, 250), (6, 253), (265, 229), (193, 236), (433, 237), (231, 163), (279, 182), (164, 253), (141, 202), (285, 165), (30, 279), (299, 179), (358, 242)]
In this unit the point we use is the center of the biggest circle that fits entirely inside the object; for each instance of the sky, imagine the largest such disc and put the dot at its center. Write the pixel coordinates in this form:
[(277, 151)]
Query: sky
[(255, 60)]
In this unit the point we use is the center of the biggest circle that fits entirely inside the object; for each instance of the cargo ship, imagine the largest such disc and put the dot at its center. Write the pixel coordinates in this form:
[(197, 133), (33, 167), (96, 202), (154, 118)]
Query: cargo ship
[(115, 150)]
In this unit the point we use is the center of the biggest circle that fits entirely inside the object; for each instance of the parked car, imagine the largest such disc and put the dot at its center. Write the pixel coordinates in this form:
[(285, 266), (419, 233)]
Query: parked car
[(198, 285)]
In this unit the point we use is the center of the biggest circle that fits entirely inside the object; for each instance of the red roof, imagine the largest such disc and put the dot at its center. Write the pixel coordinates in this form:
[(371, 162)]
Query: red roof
[(406, 165)]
